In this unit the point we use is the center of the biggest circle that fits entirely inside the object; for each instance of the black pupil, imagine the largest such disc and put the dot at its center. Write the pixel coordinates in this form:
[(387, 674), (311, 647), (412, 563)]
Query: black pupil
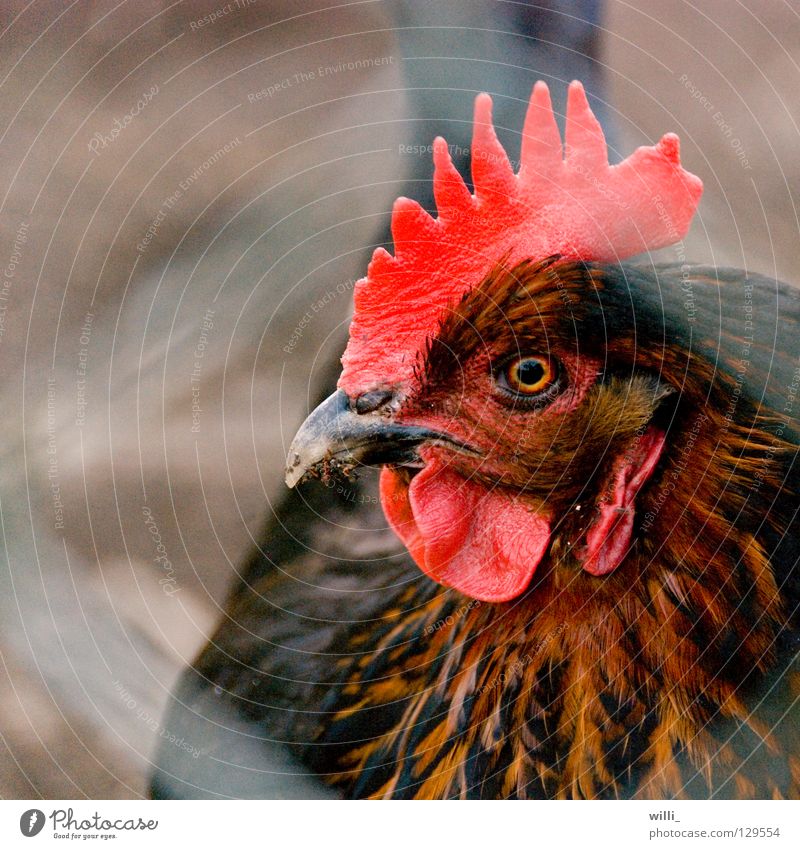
[(530, 372)]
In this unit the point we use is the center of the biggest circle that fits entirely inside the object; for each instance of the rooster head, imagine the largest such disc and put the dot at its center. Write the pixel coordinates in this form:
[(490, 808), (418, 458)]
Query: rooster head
[(496, 368)]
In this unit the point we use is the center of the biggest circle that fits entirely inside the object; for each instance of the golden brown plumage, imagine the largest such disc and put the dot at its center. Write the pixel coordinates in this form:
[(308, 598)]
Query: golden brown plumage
[(670, 677)]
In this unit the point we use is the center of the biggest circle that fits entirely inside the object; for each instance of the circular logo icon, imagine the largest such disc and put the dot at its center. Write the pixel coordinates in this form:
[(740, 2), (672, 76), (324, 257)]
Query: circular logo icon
[(31, 822)]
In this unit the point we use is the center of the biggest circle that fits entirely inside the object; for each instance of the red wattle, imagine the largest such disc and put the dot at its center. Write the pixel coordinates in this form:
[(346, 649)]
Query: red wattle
[(482, 542)]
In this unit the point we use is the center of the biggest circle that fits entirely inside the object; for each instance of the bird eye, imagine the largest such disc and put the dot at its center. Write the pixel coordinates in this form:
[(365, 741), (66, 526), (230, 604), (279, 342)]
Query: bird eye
[(528, 378)]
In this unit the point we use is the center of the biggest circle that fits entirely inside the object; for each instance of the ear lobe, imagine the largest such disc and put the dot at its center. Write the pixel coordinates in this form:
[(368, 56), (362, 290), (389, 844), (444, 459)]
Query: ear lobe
[(608, 540)]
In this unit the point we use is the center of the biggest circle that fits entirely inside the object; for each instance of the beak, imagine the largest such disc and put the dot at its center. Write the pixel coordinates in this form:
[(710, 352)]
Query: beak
[(336, 433)]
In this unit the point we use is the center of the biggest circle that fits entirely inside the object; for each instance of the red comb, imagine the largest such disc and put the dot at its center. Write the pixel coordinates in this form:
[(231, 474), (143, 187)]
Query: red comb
[(570, 202)]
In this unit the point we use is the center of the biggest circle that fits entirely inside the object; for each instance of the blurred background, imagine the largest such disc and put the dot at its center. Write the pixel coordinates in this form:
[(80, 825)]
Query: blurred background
[(189, 191)]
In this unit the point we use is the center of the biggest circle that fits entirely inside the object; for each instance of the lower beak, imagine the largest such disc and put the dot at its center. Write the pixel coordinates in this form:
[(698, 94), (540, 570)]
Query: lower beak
[(336, 434)]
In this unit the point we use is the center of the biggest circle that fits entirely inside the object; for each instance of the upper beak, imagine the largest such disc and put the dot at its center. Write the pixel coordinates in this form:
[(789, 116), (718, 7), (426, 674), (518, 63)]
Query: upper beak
[(335, 431)]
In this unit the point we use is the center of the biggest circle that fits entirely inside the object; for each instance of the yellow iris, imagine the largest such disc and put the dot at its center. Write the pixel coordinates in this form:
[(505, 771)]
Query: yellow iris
[(529, 375)]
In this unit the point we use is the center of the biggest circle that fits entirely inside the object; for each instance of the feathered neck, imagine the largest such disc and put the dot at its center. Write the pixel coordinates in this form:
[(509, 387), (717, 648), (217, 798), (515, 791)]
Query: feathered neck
[(640, 683)]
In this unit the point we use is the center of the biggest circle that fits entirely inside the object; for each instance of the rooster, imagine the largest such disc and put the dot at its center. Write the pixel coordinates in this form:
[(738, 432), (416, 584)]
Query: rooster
[(589, 588)]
